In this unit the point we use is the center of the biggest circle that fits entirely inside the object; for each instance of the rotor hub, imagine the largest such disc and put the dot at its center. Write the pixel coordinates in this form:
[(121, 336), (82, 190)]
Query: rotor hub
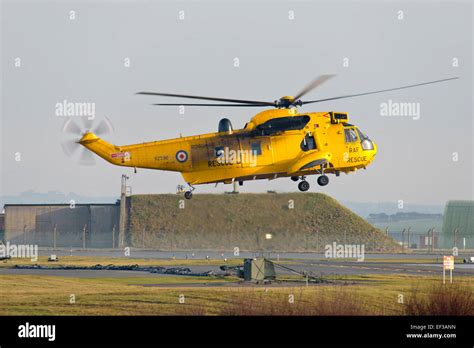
[(287, 102)]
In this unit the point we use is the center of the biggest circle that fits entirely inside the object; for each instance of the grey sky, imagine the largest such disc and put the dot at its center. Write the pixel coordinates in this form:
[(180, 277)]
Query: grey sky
[(83, 61)]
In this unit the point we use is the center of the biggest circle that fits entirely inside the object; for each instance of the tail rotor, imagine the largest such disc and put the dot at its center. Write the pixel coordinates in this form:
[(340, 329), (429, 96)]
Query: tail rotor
[(71, 146)]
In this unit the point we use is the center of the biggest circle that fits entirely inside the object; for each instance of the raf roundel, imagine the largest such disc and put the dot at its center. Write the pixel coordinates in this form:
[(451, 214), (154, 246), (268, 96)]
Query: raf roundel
[(181, 156)]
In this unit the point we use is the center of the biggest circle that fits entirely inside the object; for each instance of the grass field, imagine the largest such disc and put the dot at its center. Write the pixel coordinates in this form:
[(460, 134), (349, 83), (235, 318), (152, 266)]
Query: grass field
[(160, 295), (406, 260), (356, 295)]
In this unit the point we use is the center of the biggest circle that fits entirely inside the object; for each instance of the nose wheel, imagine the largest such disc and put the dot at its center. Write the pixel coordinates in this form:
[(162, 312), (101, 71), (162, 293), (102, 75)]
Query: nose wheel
[(303, 186)]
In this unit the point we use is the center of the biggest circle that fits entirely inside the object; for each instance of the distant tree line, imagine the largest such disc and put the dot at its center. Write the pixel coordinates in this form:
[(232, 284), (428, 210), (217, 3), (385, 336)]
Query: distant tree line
[(382, 217)]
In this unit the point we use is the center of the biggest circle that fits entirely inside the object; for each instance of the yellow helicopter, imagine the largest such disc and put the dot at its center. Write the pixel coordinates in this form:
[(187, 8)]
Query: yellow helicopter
[(276, 143)]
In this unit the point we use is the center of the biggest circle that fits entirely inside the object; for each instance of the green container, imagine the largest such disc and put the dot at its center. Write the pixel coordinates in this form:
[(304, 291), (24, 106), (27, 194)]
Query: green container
[(262, 269)]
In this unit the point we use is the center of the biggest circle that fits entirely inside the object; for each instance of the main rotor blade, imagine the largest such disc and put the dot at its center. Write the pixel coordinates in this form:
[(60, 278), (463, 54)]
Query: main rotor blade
[(226, 105), (241, 101), (380, 91), (313, 84)]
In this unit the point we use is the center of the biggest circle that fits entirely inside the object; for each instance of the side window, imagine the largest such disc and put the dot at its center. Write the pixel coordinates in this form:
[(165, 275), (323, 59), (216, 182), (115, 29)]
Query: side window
[(256, 148), (281, 124), (350, 135), (308, 143)]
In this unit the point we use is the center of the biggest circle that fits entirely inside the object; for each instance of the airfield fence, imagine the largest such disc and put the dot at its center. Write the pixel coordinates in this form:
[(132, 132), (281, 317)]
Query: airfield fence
[(316, 242)]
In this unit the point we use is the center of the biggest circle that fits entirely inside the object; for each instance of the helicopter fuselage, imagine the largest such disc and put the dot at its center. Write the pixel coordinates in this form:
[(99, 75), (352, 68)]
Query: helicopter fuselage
[(275, 143)]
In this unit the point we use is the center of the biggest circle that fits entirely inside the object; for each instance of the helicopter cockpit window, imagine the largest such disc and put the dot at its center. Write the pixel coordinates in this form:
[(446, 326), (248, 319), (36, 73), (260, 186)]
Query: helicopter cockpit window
[(362, 136), (365, 142), (350, 135), (308, 143), (281, 124)]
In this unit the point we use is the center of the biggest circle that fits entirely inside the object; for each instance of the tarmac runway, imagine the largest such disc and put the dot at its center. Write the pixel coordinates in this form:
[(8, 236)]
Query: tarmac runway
[(154, 254), (313, 263)]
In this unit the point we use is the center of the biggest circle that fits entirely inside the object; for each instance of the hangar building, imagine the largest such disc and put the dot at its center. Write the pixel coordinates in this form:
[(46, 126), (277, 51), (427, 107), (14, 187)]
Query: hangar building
[(62, 225), (458, 224)]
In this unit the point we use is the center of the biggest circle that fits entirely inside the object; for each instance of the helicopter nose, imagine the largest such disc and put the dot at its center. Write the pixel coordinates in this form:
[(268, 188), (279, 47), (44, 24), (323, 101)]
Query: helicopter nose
[(374, 151)]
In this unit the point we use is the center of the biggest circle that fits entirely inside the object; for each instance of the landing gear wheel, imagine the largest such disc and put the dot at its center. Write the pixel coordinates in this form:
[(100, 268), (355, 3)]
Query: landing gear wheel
[(295, 178), (188, 195), (303, 186), (323, 180)]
